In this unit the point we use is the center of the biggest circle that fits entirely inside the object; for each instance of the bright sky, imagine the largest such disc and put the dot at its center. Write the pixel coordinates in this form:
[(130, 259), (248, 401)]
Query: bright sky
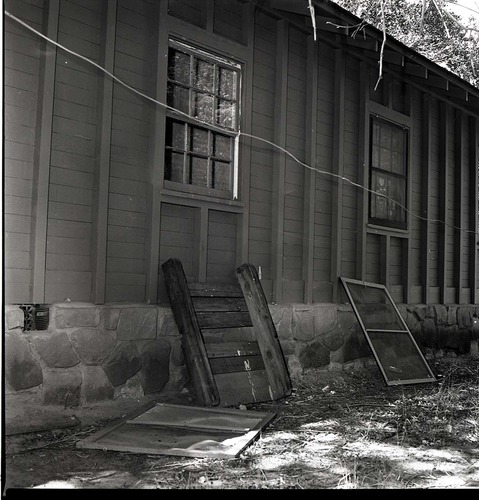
[(466, 8)]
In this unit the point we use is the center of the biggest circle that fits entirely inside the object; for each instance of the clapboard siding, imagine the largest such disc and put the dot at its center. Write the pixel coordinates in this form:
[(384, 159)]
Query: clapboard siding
[(132, 119), (373, 259), (434, 197), (21, 80), (228, 19), (416, 173), (350, 195), (262, 159), (294, 174), (100, 160)]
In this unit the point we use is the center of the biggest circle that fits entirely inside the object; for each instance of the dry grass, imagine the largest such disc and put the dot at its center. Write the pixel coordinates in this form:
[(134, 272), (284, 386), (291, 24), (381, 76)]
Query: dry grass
[(338, 430)]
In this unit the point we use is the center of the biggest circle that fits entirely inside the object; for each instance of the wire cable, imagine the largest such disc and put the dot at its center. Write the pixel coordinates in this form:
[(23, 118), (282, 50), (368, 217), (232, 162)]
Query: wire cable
[(238, 134)]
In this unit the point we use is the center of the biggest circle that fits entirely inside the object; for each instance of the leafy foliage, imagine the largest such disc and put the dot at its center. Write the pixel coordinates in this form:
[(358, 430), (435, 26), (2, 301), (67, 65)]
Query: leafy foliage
[(435, 32)]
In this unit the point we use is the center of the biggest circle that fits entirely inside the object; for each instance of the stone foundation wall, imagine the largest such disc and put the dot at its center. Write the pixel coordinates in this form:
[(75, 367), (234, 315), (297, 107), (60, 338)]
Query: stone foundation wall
[(94, 353)]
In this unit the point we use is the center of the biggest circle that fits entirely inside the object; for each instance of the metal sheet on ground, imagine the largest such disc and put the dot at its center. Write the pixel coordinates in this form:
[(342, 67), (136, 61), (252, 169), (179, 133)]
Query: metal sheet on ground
[(182, 431)]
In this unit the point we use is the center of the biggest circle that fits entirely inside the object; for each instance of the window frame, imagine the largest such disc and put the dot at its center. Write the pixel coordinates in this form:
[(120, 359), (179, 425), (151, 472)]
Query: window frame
[(190, 123), (383, 222)]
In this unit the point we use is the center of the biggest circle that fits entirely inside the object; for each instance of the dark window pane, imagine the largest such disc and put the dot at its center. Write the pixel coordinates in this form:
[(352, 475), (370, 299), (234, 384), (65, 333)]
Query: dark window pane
[(222, 147), (226, 114), (397, 165), (174, 166), (204, 75), (221, 175), (199, 141), (227, 83), (199, 171), (396, 193), (204, 107), (178, 98), (175, 135), (179, 66), (375, 156), (385, 136), (385, 159)]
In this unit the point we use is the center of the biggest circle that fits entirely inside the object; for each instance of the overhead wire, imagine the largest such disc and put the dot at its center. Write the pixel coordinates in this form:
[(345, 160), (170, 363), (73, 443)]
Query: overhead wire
[(238, 134)]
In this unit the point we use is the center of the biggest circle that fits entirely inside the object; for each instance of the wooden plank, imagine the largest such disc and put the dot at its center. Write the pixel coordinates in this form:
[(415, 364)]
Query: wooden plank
[(337, 169), (235, 364), (43, 152), (243, 387), (310, 175), (426, 196), (473, 208), (280, 121), (459, 251), (268, 342), (215, 290), (156, 170), (102, 178), (444, 120), (228, 349), (219, 304), (195, 352), (241, 334), (223, 319)]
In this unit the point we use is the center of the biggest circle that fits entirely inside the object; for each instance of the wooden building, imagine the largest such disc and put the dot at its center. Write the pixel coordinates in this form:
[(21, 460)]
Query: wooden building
[(286, 153)]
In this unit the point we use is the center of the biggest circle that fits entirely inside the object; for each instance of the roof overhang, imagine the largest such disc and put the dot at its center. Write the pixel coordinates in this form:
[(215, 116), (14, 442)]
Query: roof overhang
[(398, 59)]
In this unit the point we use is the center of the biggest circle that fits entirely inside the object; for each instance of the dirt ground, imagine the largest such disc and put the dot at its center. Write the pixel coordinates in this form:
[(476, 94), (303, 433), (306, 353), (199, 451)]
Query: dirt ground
[(338, 430)]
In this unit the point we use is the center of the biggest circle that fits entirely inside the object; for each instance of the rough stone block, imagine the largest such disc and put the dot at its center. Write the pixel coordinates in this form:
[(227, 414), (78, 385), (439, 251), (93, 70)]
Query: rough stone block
[(130, 389), (418, 310), (303, 324), (441, 315), (288, 347), (295, 368), (22, 369), (14, 318), (325, 318), (452, 315), (282, 317), (55, 349), (111, 316), (177, 356), (137, 323), (62, 387), (179, 377), (95, 386), (313, 355), (74, 316), (332, 339), (346, 320), (166, 323), (464, 318), (92, 345), (155, 365), (355, 345), (123, 362)]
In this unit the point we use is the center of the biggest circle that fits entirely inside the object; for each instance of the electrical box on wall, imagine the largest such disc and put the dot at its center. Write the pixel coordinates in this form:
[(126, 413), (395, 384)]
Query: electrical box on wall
[(36, 316)]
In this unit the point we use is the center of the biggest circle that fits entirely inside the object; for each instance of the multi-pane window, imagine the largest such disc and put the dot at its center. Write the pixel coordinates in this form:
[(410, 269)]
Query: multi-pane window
[(200, 141), (388, 173)]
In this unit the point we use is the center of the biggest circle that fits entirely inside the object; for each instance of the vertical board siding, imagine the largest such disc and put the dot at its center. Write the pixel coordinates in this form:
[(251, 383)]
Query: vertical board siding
[(395, 263), (228, 19), (324, 158), (191, 11), (178, 225), (451, 209), (132, 118), (261, 172), (434, 204), (21, 74), (373, 259), (415, 172), (466, 218), (294, 175), (221, 251), (73, 151), (350, 195)]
